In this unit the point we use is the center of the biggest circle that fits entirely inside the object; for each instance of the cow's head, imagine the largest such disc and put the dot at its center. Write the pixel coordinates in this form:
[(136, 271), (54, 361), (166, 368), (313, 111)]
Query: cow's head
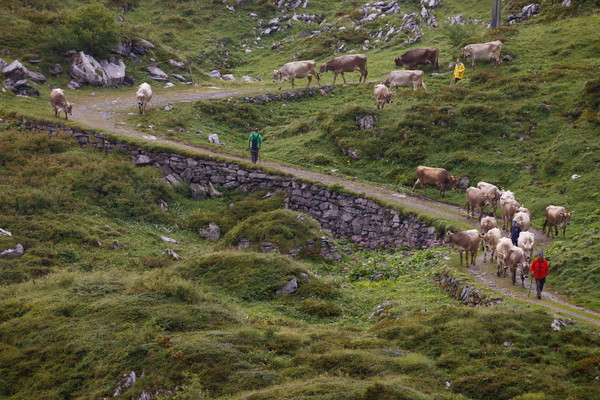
[(276, 75), (448, 238), (566, 217), (399, 62), (467, 50), (389, 97), (453, 181), (69, 108), (323, 68)]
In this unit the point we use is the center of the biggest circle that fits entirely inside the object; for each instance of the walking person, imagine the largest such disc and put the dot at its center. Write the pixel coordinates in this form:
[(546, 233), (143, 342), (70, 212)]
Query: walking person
[(539, 269), (459, 70), (254, 141), (515, 231)]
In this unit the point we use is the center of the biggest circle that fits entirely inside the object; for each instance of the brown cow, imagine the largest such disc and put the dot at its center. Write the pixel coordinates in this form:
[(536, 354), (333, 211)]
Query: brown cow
[(60, 104), (557, 217), (408, 78), (294, 70), (485, 224), (509, 208), (467, 241), (348, 63), (435, 177), (382, 95), (492, 192), (490, 241), (515, 260), (416, 57), (483, 51), (476, 198), (502, 248)]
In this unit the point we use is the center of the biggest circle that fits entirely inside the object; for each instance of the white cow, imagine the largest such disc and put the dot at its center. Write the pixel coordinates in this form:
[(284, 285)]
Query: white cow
[(483, 51), (407, 78), (382, 95), (144, 95), (502, 248), (492, 192), (526, 242), (506, 195), (296, 69), (60, 104), (523, 220), (490, 241)]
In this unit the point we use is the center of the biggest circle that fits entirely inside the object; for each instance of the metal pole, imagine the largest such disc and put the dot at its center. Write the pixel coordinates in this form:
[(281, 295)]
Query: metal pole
[(496, 13)]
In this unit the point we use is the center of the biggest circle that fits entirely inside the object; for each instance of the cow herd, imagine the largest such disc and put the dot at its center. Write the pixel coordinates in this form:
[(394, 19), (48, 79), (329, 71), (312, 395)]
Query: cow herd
[(508, 256)]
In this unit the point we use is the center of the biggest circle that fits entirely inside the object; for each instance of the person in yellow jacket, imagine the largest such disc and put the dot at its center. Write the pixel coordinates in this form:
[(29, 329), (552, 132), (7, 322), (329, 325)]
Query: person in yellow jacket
[(459, 70)]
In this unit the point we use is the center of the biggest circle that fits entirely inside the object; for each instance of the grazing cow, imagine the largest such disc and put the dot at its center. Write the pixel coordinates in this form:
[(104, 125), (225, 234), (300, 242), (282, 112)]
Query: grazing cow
[(523, 220), (526, 242), (490, 241), (509, 208), (476, 198), (493, 194), (483, 51), (467, 241), (296, 69), (144, 95), (348, 63), (515, 260), (407, 78), (382, 95), (60, 104), (502, 248), (435, 177), (416, 57), (557, 217)]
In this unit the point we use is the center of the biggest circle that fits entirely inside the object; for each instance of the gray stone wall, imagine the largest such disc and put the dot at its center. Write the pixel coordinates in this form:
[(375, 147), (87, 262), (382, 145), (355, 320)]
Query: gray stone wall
[(349, 216), (460, 290)]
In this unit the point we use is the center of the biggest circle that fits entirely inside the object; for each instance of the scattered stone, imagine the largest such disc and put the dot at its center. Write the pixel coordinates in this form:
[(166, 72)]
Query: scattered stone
[(366, 122), (546, 107), (575, 176), (142, 159), (168, 85), (329, 250), (508, 343), (164, 205), (168, 239), (21, 88), (176, 64), (214, 138), (115, 245), (463, 183), (180, 78), (156, 72), (457, 20), (74, 85), (566, 3), (244, 243), (430, 3), (382, 310), (168, 107), (214, 74), (197, 191), (18, 251), (5, 232), (228, 77), (291, 287), (507, 58), (527, 12), (15, 71), (36, 77), (352, 153), (212, 192), (173, 254), (428, 17), (3, 63)]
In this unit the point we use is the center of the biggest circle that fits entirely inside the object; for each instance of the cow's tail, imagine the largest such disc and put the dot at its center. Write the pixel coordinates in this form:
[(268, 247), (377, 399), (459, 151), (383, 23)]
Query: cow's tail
[(423, 84)]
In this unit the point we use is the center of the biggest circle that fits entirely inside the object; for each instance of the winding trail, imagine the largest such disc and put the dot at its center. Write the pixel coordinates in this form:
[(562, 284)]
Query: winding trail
[(108, 111)]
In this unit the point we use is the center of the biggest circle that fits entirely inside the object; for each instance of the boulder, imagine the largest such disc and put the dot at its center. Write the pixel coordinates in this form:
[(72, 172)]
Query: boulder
[(526, 13), (290, 288), (56, 69), (228, 77), (180, 78), (5, 232), (366, 122), (37, 77), (154, 70), (246, 79), (86, 70), (212, 192), (177, 64), (197, 191), (74, 85), (142, 159), (15, 71), (214, 138), (211, 233), (3, 63), (21, 88), (13, 253), (145, 43), (430, 3), (214, 74)]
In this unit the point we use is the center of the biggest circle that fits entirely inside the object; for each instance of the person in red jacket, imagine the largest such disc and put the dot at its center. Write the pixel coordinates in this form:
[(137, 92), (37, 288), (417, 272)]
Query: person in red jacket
[(539, 269)]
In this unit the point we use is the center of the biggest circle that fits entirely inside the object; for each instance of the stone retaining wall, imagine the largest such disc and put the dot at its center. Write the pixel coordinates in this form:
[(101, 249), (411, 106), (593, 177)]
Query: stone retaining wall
[(358, 219), (460, 290)]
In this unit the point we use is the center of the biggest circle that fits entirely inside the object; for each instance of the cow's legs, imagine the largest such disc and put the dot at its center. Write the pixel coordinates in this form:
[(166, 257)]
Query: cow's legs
[(318, 79), (415, 185), (334, 77), (344, 78), (292, 83)]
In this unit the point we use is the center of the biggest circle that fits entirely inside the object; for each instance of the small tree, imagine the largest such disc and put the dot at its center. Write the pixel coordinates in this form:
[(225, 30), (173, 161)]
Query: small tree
[(93, 28)]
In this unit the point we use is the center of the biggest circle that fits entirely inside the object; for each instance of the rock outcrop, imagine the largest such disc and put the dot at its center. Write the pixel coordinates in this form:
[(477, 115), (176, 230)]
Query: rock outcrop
[(106, 73)]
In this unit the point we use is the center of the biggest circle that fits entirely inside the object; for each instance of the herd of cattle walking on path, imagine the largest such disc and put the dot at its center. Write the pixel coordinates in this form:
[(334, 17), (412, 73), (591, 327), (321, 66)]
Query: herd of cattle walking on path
[(512, 254)]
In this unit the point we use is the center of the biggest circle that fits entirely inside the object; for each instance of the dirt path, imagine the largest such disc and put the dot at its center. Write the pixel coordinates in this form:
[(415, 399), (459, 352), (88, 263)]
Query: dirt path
[(109, 110)]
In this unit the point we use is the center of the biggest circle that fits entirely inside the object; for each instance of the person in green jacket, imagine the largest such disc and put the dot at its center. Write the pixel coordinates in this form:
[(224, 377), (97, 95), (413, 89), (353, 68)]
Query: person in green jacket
[(459, 70), (254, 141)]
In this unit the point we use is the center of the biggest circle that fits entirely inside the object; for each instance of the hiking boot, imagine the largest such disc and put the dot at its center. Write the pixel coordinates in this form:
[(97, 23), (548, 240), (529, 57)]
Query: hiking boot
[(539, 297)]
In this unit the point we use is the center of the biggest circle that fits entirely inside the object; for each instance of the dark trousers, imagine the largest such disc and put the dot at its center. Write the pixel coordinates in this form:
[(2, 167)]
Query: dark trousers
[(456, 80), (515, 240), (539, 285), (254, 155)]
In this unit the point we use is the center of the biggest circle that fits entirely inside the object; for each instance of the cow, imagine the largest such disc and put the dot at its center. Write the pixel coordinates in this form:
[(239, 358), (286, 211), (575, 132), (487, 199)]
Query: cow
[(407, 78), (490, 240), (144, 95), (296, 69), (483, 51), (348, 63), (523, 220), (524, 210), (485, 224), (526, 242), (382, 95), (60, 104), (493, 194), (467, 241), (423, 56), (435, 177), (557, 217), (506, 195), (476, 198), (509, 208), (502, 248), (515, 260)]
